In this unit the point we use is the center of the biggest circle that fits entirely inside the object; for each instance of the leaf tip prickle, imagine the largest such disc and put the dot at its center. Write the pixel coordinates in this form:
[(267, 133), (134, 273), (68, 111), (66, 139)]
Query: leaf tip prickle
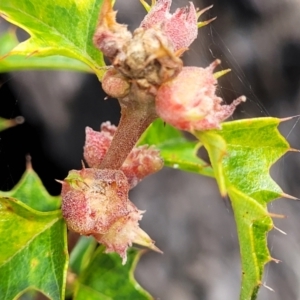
[(285, 195)]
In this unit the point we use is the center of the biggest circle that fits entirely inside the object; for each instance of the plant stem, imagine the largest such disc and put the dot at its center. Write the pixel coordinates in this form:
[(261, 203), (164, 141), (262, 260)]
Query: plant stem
[(134, 121)]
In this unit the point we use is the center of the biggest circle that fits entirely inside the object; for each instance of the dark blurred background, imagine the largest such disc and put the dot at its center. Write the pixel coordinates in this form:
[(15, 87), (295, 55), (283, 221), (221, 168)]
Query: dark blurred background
[(260, 42)]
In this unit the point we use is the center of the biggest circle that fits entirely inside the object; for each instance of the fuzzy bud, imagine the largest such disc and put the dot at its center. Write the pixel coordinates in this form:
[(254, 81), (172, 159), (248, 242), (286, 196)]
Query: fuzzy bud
[(181, 27), (188, 102), (97, 143), (94, 199), (115, 84), (145, 58), (141, 161), (95, 202)]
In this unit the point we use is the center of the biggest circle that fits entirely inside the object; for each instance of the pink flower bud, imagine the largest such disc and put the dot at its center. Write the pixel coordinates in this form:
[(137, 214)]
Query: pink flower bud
[(95, 202), (188, 102), (114, 84), (93, 199), (141, 162), (97, 143), (181, 28)]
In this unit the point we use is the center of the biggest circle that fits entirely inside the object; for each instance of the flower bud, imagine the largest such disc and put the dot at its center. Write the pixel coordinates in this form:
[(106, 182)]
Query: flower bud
[(188, 102), (141, 161), (145, 58), (92, 199), (95, 202), (181, 27), (97, 143), (115, 84)]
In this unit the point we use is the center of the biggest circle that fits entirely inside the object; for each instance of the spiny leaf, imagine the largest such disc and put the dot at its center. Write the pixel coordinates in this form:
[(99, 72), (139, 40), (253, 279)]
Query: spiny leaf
[(7, 123), (9, 62), (106, 278), (33, 252), (241, 155), (63, 28), (30, 190), (177, 151)]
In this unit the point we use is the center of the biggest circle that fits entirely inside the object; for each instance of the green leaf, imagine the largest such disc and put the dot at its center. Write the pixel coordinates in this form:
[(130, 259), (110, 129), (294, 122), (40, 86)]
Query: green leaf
[(63, 28), (33, 250), (7, 123), (9, 62), (107, 279), (80, 258), (176, 150), (30, 190), (241, 155), (81, 254)]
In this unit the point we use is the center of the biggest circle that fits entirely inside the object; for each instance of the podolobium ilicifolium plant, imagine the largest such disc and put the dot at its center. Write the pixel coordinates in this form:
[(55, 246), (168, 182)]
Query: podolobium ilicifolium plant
[(159, 98)]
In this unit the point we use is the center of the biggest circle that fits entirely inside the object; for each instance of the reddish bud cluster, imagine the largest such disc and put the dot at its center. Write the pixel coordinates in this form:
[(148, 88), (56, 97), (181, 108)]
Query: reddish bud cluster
[(184, 97), (148, 79), (146, 56), (95, 201)]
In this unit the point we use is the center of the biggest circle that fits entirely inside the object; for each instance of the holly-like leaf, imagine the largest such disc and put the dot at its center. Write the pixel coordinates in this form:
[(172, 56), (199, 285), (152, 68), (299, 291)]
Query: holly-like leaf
[(7, 123), (33, 250), (64, 28), (176, 150), (9, 62), (106, 278), (241, 155), (30, 190)]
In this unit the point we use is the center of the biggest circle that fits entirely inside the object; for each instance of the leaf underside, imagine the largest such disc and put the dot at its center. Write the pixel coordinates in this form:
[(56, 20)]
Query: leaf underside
[(241, 155), (12, 62)]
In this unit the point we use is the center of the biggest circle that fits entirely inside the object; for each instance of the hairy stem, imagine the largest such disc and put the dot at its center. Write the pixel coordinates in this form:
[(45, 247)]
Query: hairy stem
[(134, 121)]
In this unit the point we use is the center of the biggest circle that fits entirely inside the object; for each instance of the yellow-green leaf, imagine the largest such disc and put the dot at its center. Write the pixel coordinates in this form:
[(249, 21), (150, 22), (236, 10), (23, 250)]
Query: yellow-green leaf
[(64, 28), (241, 155), (33, 252), (10, 62)]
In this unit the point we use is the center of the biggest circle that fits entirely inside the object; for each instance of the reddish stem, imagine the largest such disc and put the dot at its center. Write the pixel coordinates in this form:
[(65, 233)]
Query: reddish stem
[(135, 119)]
